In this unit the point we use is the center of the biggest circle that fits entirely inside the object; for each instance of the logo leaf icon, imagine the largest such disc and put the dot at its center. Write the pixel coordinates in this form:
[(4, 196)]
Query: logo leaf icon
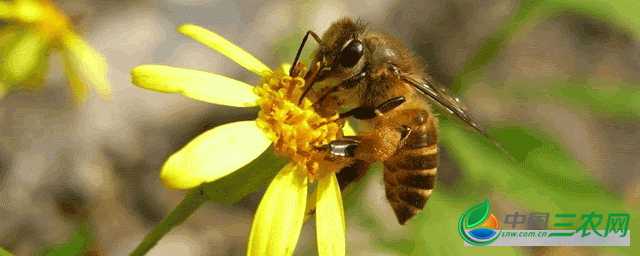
[(478, 214), (474, 217)]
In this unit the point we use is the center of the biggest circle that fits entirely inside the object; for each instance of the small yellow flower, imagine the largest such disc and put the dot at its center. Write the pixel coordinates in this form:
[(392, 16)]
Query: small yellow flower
[(33, 29), (295, 131)]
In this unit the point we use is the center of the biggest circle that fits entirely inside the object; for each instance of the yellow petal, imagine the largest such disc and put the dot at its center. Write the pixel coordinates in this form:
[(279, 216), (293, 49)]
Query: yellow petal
[(330, 225), (28, 11), (24, 56), (86, 62), (194, 84), (225, 47), (214, 154), (5, 10), (75, 81), (276, 226)]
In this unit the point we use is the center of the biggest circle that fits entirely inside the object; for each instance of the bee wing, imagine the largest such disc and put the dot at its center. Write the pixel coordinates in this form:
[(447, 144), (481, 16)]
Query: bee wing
[(446, 100)]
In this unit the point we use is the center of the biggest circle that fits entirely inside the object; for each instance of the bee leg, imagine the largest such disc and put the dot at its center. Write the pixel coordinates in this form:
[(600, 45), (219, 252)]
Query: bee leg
[(370, 147), (363, 113), (347, 147), (347, 83), (404, 132), (351, 173), (342, 148)]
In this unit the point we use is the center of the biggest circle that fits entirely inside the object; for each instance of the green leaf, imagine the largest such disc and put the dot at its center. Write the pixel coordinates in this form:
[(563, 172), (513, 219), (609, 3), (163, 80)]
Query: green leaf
[(78, 244), (436, 232), (621, 13), (253, 176), (601, 95), (549, 180), (604, 96), (526, 14), (478, 214), (545, 162)]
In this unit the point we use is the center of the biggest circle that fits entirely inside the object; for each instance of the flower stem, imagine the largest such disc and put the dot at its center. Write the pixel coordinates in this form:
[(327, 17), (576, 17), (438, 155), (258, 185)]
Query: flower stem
[(190, 203)]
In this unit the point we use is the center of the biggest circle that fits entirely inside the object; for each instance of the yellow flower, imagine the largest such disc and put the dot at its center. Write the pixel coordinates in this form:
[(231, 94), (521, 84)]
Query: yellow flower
[(33, 29), (295, 131)]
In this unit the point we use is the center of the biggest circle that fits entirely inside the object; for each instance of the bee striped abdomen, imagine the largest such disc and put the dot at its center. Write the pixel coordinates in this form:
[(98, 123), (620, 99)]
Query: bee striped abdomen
[(410, 173)]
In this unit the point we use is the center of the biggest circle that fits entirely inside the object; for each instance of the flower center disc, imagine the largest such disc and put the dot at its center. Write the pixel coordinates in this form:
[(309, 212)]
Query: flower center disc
[(297, 131)]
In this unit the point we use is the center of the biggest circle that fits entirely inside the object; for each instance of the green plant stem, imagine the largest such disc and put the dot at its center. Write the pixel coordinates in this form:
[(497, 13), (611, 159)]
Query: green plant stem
[(190, 203)]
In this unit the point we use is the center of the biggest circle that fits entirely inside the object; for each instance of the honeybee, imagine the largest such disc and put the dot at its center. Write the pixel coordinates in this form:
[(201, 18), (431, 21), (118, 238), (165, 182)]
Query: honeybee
[(384, 87)]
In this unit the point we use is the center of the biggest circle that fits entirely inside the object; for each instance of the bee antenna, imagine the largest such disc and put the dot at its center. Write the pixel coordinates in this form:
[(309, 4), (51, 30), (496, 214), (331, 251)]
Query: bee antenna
[(304, 41)]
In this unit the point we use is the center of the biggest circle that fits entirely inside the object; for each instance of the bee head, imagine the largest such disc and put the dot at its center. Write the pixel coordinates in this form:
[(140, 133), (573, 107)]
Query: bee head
[(338, 62), (342, 52)]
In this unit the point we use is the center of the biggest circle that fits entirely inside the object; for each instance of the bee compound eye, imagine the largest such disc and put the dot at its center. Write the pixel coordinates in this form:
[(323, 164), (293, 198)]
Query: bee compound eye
[(351, 54)]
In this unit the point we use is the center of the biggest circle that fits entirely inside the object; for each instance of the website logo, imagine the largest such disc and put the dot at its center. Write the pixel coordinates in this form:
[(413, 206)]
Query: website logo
[(479, 216), (478, 227)]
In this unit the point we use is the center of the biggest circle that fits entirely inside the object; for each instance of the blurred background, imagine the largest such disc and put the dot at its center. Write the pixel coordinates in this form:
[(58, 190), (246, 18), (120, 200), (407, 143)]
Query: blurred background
[(555, 81)]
